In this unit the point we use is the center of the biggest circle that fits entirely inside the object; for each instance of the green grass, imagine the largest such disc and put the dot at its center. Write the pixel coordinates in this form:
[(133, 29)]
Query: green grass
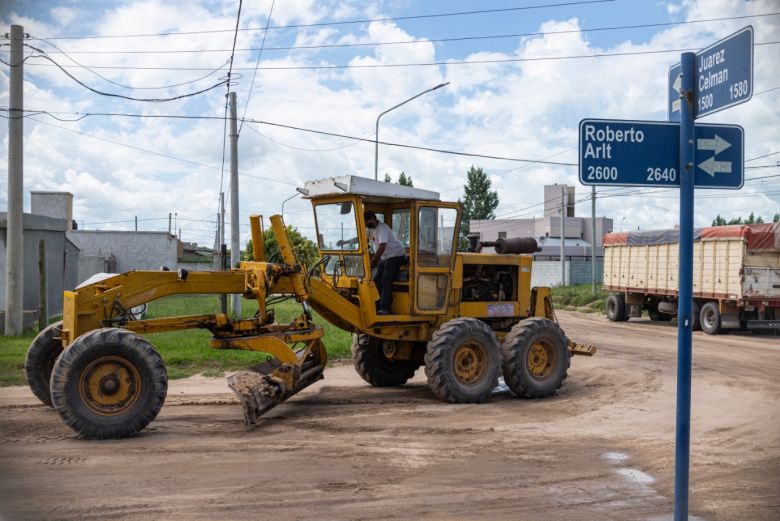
[(12, 352), (580, 298), (185, 352)]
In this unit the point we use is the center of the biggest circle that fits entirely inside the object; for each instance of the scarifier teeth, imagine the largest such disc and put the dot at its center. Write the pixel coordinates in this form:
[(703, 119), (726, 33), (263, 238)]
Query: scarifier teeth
[(257, 393)]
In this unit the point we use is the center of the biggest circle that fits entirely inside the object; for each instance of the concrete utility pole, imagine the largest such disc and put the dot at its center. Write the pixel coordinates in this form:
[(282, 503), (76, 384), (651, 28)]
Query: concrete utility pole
[(563, 235), (14, 260), (593, 244), (43, 304), (235, 226), (222, 298)]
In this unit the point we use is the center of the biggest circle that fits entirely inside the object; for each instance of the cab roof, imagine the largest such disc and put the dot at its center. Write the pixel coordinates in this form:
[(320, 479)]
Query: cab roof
[(368, 189)]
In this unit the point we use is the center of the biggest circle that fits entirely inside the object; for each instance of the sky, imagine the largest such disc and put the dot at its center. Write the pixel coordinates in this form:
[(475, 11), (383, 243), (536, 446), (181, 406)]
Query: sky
[(334, 66)]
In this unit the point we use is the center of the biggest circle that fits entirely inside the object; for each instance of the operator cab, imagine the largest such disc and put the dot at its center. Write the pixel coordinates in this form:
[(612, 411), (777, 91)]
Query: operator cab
[(427, 227)]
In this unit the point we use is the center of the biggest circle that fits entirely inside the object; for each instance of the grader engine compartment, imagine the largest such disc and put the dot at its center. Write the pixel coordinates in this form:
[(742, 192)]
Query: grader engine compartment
[(485, 283), (466, 317)]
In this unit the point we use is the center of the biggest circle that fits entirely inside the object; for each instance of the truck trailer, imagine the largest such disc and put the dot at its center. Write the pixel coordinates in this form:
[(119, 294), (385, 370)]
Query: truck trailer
[(736, 276)]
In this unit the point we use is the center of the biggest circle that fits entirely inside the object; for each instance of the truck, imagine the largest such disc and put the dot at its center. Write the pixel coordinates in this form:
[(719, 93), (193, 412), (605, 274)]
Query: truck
[(736, 276)]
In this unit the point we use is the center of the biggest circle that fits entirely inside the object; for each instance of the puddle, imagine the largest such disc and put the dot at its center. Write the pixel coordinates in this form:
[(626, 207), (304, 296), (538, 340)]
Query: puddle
[(636, 476), (615, 457)]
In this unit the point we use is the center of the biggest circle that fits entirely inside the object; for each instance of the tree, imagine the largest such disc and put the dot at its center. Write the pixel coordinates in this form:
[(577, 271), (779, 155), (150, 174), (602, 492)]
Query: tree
[(751, 219), (479, 202), (304, 248), (719, 221), (776, 218), (403, 179)]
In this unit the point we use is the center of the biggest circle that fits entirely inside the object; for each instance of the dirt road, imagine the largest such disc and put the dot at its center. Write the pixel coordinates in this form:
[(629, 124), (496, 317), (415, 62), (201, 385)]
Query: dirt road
[(602, 449)]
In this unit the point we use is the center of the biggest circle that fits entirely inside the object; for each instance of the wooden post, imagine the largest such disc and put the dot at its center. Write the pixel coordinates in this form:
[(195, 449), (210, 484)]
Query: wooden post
[(43, 308)]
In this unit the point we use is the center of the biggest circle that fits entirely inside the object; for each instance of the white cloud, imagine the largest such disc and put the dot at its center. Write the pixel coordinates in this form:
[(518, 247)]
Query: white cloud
[(525, 109)]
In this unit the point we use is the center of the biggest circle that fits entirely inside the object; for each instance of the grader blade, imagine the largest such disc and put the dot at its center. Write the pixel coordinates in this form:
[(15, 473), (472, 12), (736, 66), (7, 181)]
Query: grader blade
[(259, 393)]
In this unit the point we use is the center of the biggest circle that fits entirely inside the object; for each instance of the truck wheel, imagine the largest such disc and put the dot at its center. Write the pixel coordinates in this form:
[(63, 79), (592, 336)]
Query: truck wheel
[(696, 315), (41, 356), (710, 318), (535, 358), (374, 367), (110, 383), (462, 361), (616, 308)]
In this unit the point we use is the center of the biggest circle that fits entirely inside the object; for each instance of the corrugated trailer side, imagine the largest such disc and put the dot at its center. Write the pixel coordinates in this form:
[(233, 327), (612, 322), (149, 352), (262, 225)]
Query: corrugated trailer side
[(736, 277)]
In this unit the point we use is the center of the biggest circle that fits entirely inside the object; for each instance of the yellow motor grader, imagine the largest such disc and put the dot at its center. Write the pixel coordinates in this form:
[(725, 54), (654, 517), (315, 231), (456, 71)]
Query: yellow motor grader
[(465, 317)]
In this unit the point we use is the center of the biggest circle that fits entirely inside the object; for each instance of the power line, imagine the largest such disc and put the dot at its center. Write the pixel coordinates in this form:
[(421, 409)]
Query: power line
[(121, 84), (344, 136), (113, 95), (421, 64), (254, 73), (432, 40), (156, 153), (344, 22), (304, 149), (140, 149), (765, 155)]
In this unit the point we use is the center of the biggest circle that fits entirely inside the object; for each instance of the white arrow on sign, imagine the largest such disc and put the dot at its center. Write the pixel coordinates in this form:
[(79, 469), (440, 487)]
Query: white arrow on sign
[(718, 144), (713, 167)]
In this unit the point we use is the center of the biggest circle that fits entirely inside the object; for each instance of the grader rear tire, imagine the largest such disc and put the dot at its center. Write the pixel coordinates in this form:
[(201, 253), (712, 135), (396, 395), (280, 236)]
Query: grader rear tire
[(374, 367), (535, 358), (41, 357), (462, 361), (110, 383)]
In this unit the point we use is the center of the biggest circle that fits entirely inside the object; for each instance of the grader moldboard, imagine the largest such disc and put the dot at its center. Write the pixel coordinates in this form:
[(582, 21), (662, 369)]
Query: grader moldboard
[(464, 316)]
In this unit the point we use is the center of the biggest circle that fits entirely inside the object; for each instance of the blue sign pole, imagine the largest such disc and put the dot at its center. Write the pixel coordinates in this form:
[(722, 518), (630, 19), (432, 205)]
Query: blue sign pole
[(685, 290)]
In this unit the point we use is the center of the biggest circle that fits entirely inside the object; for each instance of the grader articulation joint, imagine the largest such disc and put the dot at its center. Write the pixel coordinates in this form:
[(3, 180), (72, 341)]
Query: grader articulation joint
[(465, 317)]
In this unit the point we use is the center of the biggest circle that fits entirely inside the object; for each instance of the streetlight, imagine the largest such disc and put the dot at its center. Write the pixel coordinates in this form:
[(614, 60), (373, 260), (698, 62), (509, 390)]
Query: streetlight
[(376, 143), (291, 197)]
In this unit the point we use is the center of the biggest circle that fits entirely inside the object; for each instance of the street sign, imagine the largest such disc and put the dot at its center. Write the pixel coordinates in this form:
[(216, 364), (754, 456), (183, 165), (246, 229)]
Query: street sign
[(724, 76), (647, 153)]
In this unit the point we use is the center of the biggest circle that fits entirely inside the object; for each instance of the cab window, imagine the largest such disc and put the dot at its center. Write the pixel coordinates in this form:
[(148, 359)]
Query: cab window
[(337, 226), (436, 235)]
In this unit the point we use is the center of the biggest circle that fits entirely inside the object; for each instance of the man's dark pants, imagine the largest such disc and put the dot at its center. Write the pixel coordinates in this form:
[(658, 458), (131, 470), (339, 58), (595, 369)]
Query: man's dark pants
[(385, 274)]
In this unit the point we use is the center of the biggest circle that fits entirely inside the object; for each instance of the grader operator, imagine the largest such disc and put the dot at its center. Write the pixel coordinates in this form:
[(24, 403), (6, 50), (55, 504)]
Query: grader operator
[(465, 317)]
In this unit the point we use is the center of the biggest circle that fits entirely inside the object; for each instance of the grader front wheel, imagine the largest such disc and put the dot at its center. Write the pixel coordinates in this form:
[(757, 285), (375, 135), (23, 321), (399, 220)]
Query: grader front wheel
[(374, 367), (535, 358), (462, 361), (110, 383)]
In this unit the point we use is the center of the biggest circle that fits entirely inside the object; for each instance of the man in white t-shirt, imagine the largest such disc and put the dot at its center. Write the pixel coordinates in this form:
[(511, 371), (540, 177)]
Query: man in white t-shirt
[(388, 256)]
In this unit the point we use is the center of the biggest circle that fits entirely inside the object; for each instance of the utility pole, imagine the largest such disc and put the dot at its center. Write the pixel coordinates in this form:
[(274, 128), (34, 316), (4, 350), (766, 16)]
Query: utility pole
[(169, 222), (563, 235), (593, 244), (223, 297), (43, 304), (136, 223), (14, 260), (235, 226)]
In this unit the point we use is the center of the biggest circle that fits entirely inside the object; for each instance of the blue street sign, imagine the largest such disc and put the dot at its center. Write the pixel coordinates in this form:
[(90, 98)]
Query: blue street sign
[(647, 153), (724, 76)]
